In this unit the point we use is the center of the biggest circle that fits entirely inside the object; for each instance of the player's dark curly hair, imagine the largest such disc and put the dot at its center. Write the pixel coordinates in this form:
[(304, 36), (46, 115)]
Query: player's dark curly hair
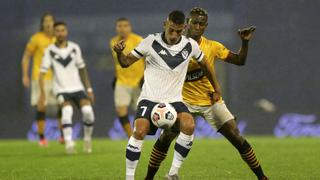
[(177, 17), (43, 17), (199, 11)]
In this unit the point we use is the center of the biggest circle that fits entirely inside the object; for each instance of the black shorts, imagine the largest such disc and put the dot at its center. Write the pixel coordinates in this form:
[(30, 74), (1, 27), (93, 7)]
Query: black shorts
[(145, 108), (74, 97)]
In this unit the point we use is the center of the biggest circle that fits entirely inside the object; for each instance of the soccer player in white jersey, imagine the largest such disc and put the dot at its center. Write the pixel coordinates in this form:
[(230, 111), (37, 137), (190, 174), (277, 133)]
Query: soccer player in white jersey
[(166, 56), (71, 84)]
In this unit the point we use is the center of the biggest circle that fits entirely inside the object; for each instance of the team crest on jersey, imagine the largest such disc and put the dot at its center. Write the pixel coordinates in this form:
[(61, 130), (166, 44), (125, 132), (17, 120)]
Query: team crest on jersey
[(63, 61), (185, 54)]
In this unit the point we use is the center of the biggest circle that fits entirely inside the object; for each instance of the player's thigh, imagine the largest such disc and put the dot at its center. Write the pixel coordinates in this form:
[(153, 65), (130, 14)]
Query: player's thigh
[(51, 99), (35, 92), (219, 115), (144, 110), (122, 96), (135, 93)]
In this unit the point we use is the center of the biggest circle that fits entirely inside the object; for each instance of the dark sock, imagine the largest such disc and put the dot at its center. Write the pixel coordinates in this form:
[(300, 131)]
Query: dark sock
[(158, 154), (40, 117), (249, 156)]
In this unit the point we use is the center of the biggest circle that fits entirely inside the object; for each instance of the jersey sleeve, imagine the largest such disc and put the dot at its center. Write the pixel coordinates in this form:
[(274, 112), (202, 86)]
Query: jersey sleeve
[(79, 60), (46, 61), (197, 53), (221, 51), (143, 48), (32, 44)]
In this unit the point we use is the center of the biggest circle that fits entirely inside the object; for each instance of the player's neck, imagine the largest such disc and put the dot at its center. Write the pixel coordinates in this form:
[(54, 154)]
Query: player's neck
[(62, 44), (48, 33)]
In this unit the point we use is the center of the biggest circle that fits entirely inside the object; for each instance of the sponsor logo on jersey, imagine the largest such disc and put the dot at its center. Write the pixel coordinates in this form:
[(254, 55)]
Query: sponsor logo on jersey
[(194, 75)]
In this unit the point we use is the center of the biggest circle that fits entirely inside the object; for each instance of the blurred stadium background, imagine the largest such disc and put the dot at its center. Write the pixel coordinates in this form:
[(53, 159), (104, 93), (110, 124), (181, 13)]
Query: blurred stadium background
[(275, 93)]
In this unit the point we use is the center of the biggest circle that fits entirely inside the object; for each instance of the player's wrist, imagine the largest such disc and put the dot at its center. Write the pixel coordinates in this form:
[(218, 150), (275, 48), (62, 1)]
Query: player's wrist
[(89, 90)]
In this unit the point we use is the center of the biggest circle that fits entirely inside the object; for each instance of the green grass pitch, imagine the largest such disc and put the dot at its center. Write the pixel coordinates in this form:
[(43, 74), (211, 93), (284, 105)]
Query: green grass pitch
[(216, 159)]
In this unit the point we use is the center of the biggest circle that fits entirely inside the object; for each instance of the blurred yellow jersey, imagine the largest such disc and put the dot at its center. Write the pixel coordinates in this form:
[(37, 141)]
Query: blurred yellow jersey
[(132, 75), (197, 89), (36, 46)]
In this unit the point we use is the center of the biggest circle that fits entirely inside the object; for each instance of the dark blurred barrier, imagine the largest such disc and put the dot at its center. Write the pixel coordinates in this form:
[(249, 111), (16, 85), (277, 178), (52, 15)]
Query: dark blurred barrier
[(282, 64)]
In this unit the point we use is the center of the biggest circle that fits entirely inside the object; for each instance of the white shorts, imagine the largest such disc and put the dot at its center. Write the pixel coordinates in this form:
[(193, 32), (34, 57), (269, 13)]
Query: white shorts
[(126, 96), (216, 115), (35, 93)]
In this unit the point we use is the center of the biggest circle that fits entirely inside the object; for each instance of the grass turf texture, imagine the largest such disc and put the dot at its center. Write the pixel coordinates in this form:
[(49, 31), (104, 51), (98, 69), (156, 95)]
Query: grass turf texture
[(288, 158)]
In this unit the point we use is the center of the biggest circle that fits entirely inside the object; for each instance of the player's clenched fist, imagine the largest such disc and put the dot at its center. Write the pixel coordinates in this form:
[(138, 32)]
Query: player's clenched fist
[(246, 33), (119, 47)]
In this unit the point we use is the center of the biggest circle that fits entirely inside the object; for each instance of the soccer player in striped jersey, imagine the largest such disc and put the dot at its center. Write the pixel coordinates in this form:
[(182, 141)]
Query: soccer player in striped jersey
[(35, 49), (197, 93), (71, 85), (167, 56), (127, 80)]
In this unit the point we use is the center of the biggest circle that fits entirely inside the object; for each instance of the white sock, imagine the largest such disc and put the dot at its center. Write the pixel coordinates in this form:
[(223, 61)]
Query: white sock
[(67, 134), (132, 156), (67, 112), (88, 120), (181, 150)]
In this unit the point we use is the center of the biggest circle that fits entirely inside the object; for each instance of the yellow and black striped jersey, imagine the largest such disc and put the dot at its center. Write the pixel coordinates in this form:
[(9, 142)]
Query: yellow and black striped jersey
[(197, 88)]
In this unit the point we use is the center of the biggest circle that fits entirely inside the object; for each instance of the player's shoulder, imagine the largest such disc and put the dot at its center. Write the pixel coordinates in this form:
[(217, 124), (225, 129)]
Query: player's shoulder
[(73, 44), (210, 42), (114, 39), (38, 35), (136, 37)]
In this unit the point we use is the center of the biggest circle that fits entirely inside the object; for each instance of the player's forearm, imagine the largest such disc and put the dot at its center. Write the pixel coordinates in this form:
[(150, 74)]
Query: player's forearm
[(240, 57), (123, 60), (85, 78), (25, 64)]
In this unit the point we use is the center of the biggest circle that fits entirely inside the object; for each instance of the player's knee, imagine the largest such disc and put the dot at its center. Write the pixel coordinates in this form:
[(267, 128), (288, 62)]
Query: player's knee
[(67, 112), (122, 111), (139, 133), (88, 115), (188, 127)]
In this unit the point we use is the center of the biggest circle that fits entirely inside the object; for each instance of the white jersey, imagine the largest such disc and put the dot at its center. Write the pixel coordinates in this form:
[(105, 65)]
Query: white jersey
[(166, 66), (65, 63)]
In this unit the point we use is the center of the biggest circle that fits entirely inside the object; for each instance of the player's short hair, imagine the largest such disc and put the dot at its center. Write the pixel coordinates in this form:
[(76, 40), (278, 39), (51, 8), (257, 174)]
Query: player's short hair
[(177, 17), (59, 23), (44, 16), (199, 11), (122, 19)]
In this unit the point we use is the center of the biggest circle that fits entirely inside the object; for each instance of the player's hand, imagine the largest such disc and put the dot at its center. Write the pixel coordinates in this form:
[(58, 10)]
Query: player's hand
[(119, 47), (41, 102), (91, 96), (26, 82), (246, 33)]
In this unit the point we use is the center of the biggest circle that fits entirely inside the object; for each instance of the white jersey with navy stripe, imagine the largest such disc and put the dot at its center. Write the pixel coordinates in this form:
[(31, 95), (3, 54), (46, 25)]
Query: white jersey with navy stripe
[(166, 66), (65, 63)]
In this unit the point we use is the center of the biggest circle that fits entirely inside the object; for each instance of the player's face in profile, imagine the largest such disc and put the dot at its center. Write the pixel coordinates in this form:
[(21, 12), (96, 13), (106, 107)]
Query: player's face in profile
[(197, 25), (47, 23), (173, 32), (123, 28), (61, 33)]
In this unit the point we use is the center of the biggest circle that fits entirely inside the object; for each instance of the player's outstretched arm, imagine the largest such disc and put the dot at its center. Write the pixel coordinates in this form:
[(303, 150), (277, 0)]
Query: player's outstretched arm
[(211, 74), (25, 63), (240, 57), (124, 60), (42, 97), (86, 82)]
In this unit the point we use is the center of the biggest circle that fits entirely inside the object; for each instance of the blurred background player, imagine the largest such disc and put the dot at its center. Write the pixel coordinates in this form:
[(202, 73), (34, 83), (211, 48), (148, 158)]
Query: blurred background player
[(127, 81), (71, 84), (167, 56), (197, 95), (35, 48)]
